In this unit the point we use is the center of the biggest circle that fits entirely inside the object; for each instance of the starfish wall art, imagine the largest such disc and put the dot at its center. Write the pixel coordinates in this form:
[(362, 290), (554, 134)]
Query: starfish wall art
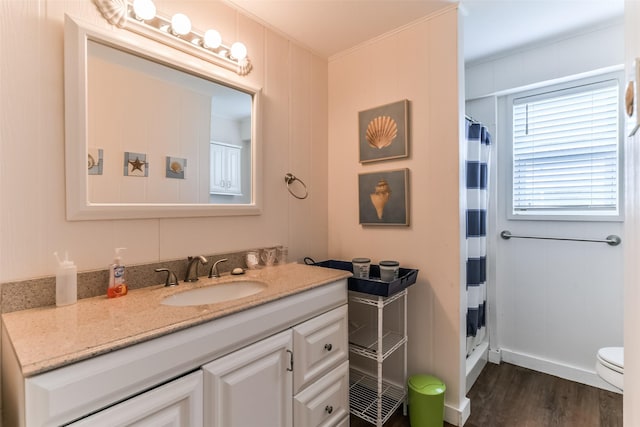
[(135, 164)]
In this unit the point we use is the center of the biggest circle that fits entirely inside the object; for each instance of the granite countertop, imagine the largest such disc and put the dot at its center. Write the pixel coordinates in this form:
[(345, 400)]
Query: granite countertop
[(50, 337)]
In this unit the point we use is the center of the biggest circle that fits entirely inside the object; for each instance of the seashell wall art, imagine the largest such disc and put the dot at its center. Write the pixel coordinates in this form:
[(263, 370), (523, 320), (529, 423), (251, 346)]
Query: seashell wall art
[(380, 197), (381, 132), (95, 161), (384, 132), (175, 167), (384, 197)]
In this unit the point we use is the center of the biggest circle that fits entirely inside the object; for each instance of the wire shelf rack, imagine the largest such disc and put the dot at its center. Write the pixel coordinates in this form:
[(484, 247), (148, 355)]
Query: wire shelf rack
[(361, 342), (364, 398)]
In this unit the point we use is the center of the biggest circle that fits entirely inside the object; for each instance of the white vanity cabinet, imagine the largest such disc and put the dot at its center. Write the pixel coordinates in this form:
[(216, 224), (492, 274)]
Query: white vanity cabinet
[(299, 377), (282, 363)]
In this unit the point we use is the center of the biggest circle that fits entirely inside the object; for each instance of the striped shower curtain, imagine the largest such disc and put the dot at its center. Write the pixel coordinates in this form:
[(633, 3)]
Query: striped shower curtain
[(477, 174)]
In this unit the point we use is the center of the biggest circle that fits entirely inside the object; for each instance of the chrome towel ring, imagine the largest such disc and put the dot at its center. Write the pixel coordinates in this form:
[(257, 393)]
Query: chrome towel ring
[(290, 178)]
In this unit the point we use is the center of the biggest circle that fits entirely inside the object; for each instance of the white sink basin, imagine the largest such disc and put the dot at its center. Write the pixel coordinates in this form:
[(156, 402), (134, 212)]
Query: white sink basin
[(215, 293)]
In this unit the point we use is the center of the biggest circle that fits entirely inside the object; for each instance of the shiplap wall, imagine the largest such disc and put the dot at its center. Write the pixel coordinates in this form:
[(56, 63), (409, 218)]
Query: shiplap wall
[(420, 64), (32, 183), (294, 117)]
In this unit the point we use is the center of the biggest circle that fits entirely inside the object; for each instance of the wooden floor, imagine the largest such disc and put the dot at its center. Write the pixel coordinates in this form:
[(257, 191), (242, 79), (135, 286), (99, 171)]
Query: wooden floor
[(510, 396)]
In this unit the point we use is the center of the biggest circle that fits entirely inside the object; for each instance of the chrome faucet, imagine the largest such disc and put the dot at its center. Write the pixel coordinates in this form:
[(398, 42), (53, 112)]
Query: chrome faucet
[(194, 260), (172, 280), (214, 268)]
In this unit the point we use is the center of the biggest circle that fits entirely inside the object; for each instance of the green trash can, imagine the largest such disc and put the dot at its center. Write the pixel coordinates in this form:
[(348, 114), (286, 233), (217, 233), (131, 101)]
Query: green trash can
[(426, 401)]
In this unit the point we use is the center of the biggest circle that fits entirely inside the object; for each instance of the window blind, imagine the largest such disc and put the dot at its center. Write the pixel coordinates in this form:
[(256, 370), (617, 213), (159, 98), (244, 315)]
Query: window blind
[(565, 151)]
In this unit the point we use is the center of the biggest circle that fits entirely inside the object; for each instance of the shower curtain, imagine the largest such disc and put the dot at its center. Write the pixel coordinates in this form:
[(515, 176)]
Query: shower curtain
[(477, 177)]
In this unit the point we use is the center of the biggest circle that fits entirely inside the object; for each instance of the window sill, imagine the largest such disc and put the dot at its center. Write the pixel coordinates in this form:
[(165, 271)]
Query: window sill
[(587, 217)]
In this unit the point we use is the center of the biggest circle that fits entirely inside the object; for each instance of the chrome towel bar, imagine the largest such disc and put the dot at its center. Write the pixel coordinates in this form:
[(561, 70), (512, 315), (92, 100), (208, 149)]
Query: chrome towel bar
[(611, 240)]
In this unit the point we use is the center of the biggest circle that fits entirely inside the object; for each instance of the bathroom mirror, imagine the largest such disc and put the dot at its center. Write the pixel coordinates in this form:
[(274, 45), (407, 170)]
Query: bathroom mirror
[(153, 132)]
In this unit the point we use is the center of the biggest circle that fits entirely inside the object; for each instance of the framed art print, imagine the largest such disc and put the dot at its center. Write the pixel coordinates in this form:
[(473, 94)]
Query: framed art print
[(95, 161), (175, 167), (384, 132), (384, 197), (135, 164)]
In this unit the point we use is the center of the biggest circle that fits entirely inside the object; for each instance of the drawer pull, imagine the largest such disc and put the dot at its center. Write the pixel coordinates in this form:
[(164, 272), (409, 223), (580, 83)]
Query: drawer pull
[(328, 409), (328, 347)]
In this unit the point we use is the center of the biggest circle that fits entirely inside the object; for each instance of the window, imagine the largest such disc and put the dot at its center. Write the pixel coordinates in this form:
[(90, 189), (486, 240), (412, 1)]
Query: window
[(565, 151)]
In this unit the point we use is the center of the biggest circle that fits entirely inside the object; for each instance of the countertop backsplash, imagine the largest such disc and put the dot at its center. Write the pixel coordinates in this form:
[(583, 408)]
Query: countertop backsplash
[(40, 292)]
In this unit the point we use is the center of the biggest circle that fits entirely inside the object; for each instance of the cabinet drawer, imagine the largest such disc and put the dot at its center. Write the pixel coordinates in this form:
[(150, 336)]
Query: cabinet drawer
[(326, 402), (319, 345), (344, 422)]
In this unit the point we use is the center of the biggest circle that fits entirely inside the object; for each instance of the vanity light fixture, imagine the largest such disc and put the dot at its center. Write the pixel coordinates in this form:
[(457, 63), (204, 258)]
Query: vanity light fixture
[(212, 39), (144, 10), (238, 51), (140, 16), (180, 24)]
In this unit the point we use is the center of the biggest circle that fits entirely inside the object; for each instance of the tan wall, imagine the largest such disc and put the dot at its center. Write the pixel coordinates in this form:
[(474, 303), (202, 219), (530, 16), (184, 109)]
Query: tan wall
[(419, 63), (32, 190)]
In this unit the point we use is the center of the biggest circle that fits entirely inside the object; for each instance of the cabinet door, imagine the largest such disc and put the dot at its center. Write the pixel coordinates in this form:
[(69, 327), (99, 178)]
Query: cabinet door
[(217, 180), (175, 404), (326, 402), (234, 170), (226, 169), (320, 345), (251, 387)]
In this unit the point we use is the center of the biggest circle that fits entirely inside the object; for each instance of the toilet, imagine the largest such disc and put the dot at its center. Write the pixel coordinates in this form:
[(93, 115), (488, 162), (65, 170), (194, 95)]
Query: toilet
[(610, 365)]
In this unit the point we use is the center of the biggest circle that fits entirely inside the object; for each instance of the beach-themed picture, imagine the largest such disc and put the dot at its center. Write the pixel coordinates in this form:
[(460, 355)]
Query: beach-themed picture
[(94, 161), (384, 197), (135, 164), (175, 167), (384, 132)]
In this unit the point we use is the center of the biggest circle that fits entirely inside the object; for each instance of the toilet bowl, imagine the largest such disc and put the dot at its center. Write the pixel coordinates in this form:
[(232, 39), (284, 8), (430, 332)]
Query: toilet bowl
[(610, 365)]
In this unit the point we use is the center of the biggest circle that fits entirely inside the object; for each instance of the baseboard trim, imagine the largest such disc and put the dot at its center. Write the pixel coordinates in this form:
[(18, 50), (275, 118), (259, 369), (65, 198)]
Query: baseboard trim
[(458, 416), (557, 369), (475, 363), (495, 356)]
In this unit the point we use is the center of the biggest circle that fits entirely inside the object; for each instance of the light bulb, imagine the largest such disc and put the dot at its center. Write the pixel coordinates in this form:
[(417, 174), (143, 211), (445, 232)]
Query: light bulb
[(212, 39), (144, 9), (238, 51), (180, 24)]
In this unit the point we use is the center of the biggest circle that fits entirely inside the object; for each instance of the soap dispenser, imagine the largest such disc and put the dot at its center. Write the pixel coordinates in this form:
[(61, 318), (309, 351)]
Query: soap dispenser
[(66, 281), (117, 286)]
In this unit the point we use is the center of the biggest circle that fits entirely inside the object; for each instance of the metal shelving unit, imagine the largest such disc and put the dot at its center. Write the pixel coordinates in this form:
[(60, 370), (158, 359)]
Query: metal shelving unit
[(371, 397)]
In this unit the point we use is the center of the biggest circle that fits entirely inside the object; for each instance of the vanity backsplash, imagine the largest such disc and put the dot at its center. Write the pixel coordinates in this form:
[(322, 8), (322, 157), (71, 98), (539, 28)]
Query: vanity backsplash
[(40, 292)]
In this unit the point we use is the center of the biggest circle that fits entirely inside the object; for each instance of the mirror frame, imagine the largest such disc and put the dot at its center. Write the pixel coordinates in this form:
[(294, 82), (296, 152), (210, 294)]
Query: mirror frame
[(76, 36)]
